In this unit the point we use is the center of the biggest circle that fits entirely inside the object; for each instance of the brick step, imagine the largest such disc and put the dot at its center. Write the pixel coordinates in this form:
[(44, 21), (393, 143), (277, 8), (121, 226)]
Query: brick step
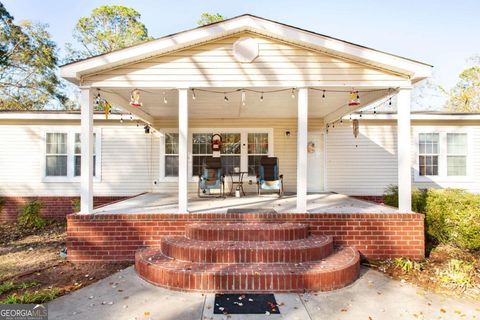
[(247, 232), (335, 271), (302, 250)]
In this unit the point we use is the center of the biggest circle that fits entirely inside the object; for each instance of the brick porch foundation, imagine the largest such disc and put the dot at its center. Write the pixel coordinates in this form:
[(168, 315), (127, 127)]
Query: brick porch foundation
[(52, 207), (116, 237)]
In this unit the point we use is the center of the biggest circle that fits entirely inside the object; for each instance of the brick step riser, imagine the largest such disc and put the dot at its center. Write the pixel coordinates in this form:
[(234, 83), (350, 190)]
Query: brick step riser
[(242, 255), (243, 282), (287, 234)]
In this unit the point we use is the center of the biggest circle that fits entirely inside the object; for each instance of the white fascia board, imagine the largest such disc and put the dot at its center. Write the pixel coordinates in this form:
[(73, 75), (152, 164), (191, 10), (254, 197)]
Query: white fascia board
[(415, 70), (414, 117), (52, 116)]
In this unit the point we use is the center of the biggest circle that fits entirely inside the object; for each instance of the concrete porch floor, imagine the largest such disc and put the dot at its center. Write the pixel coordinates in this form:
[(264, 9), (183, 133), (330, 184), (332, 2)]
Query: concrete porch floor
[(316, 203)]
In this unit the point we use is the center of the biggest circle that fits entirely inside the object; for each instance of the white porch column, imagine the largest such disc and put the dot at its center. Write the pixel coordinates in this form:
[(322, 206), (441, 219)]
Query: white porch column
[(86, 137), (404, 150), (183, 150), (302, 137)]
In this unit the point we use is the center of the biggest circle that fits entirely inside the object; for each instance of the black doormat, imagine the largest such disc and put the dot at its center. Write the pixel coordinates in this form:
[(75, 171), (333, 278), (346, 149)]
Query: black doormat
[(245, 304), (251, 210)]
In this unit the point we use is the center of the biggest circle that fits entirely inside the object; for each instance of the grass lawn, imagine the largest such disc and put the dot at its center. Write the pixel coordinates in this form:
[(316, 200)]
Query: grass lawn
[(32, 270)]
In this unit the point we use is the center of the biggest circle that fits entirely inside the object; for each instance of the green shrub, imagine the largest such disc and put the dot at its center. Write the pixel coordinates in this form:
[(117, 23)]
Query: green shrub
[(419, 198), (76, 205), (453, 217), (30, 215), (41, 296)]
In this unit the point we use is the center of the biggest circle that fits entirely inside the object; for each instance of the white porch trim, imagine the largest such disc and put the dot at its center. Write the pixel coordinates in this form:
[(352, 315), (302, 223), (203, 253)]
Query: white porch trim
[(404, 150), (302, 141), (183, 150), (86, 178)]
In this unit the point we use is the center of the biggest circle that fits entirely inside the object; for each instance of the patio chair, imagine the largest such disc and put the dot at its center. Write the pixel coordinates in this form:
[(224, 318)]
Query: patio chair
[(268, 177), (212, 178)]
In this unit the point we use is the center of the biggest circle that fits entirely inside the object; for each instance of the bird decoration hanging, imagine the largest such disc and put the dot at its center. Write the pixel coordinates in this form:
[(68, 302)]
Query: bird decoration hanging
[(135, 98), (106, 108), (354, 99), (356, 127)]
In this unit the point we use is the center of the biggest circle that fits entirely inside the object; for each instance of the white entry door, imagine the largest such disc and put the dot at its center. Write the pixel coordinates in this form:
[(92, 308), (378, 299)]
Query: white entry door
[(315, 159)]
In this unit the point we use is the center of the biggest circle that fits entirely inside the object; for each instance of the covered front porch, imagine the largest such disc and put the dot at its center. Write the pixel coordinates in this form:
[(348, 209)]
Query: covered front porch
[(149, 203), (243, 76)]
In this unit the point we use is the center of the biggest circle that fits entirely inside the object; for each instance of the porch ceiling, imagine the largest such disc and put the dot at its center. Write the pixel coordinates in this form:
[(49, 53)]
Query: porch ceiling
[(274, 105)]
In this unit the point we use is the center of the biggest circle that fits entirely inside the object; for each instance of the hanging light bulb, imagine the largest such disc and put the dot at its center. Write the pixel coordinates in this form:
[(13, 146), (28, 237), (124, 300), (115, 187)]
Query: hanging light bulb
[(194, 96), (138, 124), (147, 129), (97, 100), (121, 118), (323, 95), (225, 98), (165, 98), (131, 116), (243, 98), (293, 93), (261, 97), (390, 101)]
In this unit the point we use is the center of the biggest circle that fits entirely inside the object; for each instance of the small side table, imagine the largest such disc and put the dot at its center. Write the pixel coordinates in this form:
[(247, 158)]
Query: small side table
[(237, 180)]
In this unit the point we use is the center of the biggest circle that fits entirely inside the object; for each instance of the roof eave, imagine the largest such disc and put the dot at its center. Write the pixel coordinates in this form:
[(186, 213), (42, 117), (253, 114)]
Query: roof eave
[(415, 70)]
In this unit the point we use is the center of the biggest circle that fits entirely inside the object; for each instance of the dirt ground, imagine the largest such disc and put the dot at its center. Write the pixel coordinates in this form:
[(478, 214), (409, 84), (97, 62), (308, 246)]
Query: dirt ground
[(30, 259), (435, 272)]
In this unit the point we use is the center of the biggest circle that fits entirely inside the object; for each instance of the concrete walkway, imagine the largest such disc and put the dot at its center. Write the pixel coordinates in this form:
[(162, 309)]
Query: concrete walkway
[(374, 296)]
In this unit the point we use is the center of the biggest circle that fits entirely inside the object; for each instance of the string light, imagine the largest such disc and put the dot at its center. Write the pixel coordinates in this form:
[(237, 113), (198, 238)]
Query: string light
[(323, 94), (225, 98), (293, 93), (165, 98), (390, 101), (121, 118), (194, 96), (131, 116), (261, 97)]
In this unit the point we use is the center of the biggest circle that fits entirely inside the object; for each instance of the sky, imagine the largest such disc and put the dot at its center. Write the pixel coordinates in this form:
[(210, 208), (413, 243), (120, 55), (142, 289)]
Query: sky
[(438, 32)]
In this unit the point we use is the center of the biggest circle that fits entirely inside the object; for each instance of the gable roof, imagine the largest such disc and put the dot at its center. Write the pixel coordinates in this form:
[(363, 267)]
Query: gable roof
[(415, 70)]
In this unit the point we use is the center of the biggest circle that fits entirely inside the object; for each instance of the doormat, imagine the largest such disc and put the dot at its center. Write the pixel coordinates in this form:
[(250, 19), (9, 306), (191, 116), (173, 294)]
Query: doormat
[(251, 210), (245, 304)]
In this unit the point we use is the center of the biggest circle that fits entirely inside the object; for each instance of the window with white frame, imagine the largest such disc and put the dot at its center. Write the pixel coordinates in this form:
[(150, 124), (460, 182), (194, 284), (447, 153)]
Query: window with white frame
[(428, 153), (78, 155), (171, 154), (56, 157), (443, 154), (233, 155), (456, 154), (63, 155), (257, 148)]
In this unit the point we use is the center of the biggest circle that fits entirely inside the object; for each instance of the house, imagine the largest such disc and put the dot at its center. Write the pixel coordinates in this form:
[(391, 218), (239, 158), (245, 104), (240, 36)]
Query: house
[(268, 89)]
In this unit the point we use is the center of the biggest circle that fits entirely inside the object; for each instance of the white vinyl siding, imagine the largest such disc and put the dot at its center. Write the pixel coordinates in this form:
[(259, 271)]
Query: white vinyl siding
[(214, 65)]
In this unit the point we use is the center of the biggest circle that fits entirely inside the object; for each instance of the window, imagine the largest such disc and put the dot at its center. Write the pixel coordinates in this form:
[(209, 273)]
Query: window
[(56, 155), (201, 149), (63, 154), (456, 154), (78, 155), (171, 154), (257, 148), (241, 148), (428, 154), (230, 152)]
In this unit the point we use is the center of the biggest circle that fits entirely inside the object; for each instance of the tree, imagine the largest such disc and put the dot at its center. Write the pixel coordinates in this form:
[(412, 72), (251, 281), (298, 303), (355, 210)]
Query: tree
[(108, 28), (465, 95), (207, 18), (28, 65)]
